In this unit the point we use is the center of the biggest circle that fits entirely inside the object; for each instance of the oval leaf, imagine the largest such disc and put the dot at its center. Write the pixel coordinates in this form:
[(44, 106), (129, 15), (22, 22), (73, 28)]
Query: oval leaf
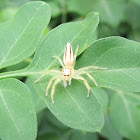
[(120, 56), (19, 36), (17, 113), (71, 105)]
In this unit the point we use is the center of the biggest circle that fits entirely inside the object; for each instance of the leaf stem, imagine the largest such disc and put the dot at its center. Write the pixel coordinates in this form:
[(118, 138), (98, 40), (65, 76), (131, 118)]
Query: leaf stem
[(12, 74), (17, 73), (64, 16)]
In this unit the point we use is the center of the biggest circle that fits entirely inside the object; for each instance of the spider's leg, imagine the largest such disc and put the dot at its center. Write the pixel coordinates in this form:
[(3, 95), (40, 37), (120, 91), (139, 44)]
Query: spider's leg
[(70, 82), (85, 82), (59, 60), (53, 88), (76, 52), (91, 78), (65, 83), (45, 73), (50, 82), (84, 72), (92, 67)]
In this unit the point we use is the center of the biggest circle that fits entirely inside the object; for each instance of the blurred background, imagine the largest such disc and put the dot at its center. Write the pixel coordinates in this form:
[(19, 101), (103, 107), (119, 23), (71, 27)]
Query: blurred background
[(117, 18)]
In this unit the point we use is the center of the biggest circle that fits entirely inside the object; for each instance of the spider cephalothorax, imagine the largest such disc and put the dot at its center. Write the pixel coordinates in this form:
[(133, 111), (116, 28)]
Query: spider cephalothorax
[(68, 71)]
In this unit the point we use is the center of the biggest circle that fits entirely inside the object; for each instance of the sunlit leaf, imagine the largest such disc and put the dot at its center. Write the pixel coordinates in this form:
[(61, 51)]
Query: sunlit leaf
[(20, 36)]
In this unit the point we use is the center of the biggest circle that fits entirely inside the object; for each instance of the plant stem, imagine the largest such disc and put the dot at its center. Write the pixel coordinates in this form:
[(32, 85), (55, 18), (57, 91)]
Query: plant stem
[(64, 16), (17, 73)]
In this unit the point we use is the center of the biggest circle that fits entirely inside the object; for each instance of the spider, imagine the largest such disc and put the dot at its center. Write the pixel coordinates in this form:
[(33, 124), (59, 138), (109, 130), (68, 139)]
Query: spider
[(68, 72)]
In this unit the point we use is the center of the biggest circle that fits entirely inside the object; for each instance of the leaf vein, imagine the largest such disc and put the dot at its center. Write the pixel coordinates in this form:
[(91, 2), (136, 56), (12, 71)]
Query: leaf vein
[(2, 97)]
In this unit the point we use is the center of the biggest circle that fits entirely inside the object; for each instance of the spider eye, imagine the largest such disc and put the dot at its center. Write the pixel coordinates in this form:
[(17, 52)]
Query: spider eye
[(68, 55)]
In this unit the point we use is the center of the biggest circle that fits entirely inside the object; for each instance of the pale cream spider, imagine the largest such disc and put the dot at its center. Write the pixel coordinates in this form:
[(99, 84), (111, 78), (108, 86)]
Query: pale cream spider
[(68, 72)]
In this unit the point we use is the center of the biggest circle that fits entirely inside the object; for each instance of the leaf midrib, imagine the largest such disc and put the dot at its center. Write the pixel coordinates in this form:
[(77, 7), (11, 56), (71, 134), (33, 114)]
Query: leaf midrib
[(110, 49), (2, 97), (79, 107), (26, 72), (74, 102)]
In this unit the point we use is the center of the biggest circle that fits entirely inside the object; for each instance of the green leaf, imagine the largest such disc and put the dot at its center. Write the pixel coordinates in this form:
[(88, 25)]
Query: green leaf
[(39, 103), (17, 113), (49, 124), (109, 131), (20, 35), (126, 120), (44, 127), (101, 96), (71, 105), (54, 121), (120, 56)]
